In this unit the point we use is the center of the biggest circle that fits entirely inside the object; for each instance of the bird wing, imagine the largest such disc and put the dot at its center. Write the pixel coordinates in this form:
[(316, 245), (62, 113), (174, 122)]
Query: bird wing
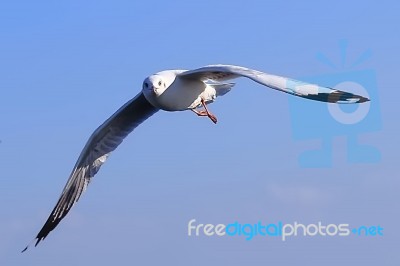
[(101, 143), (291, 86)]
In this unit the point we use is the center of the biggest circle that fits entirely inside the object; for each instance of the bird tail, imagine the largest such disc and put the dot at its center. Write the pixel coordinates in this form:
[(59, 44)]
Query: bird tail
[(222, 88)]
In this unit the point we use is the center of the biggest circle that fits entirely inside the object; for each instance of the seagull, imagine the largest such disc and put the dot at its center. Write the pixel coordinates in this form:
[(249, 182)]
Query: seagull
[(171, 90)]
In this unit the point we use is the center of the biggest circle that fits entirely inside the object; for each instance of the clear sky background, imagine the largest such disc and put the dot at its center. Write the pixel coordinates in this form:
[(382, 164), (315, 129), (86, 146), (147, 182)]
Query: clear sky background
[(67, 66)]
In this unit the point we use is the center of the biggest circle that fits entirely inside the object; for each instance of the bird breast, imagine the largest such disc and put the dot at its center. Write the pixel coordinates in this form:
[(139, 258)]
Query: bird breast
[(181, 95)]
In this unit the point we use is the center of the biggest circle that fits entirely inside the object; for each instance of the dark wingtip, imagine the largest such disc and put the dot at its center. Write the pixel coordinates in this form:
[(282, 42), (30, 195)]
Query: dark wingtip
[(363, 100), (27, 246), (338, 96), (24, 249), (346, 96), (38, 239)]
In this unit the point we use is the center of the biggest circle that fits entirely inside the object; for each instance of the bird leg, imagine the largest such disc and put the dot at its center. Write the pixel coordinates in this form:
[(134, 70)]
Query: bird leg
[(205, 112)]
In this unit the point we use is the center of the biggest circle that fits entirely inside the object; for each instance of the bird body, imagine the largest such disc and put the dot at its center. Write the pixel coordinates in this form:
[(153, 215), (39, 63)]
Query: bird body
[(177, 95), (181, 94)]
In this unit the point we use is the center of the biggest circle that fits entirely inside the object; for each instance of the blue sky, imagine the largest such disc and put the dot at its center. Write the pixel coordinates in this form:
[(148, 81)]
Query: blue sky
[(67, 66)]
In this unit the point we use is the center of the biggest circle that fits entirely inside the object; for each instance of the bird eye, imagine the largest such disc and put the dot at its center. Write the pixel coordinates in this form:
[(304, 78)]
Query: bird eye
[(146, 85), (159, 83)]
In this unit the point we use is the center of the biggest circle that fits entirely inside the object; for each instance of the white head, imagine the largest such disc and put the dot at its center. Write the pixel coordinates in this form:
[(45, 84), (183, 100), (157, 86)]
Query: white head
[(159, 82), (154, 84)]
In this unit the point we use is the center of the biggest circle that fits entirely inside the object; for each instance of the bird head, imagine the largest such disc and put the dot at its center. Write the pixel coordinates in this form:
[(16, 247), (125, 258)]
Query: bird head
[(155, 85)]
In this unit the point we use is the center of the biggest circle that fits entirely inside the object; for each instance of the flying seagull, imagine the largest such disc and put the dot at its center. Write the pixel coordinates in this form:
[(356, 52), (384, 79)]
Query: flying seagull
[(171, 90)]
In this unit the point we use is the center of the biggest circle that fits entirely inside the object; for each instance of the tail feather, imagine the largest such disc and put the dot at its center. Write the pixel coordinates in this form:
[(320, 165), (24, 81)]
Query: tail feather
[(222, 88)]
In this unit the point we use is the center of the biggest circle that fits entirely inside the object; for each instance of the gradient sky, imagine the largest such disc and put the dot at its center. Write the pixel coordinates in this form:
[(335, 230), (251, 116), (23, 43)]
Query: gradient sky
[(67, 66)]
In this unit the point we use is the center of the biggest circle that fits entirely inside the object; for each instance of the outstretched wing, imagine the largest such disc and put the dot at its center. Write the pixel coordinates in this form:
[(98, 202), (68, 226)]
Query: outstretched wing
[(291, 86), (103, 141)]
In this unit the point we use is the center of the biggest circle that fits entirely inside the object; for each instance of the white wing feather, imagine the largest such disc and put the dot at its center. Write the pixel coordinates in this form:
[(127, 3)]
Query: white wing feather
[(105, 139), (288, 85)]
